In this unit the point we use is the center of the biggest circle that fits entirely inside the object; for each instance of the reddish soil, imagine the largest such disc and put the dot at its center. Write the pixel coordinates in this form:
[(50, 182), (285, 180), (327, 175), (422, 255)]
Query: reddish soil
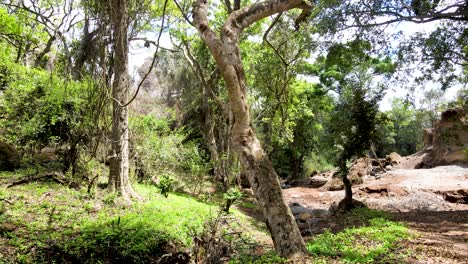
[(431, 201)]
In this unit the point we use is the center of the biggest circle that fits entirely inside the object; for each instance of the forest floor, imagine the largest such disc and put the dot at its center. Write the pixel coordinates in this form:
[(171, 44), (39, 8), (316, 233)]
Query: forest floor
[(415, 216), (431, 202)]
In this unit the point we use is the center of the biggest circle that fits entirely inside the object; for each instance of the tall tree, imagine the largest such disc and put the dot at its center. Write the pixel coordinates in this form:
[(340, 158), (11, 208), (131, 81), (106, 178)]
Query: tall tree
[(440, 53), (119, 163), (260, 172)]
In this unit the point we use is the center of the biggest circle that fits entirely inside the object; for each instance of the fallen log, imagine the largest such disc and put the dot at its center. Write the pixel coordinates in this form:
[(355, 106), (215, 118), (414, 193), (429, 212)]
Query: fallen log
[(54, 175)]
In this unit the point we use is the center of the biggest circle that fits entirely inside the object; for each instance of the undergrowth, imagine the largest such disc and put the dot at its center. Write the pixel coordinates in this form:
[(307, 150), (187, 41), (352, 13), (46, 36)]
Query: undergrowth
[(56, 224)]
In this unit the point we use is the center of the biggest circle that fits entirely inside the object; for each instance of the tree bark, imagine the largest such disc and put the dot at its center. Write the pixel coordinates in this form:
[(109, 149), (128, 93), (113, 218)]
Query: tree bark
[(119, 164), (262, 177)]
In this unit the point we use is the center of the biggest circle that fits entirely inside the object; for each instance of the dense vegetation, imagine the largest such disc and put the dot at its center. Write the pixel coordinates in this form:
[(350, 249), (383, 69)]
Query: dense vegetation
[(143, 162)]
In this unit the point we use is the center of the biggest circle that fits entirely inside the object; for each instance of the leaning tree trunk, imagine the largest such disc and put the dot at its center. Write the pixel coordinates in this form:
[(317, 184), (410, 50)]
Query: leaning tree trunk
[(262, 177), (119, 163)]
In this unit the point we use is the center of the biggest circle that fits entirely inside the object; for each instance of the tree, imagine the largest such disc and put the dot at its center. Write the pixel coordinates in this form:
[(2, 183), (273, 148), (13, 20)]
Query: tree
[(355, 126), (402, 131), (439, 53), (119, 163), (349, 71), (262, 177)]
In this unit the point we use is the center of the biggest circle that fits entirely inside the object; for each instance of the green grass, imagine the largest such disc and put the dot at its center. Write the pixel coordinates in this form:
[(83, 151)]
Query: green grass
[(55, 223), (375, 242)]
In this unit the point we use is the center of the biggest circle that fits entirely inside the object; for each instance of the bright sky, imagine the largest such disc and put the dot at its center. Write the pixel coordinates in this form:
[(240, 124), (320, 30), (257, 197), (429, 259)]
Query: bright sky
[(408, 29)]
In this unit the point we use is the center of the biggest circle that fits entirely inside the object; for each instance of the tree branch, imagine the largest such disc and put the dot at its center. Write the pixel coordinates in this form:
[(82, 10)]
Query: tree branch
[(265, 38), (244, 17)]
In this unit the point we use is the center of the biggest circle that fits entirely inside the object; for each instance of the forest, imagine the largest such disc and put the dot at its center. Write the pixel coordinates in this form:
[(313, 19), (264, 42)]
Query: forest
[(268, 131)]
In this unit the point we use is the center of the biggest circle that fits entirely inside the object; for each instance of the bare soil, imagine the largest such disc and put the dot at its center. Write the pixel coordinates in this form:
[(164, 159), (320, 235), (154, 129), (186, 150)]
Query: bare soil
[(433, 202)]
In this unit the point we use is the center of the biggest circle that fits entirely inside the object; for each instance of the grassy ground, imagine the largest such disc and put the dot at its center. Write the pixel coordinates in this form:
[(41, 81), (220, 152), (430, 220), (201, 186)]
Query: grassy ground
[(46, 222), (377, 240)]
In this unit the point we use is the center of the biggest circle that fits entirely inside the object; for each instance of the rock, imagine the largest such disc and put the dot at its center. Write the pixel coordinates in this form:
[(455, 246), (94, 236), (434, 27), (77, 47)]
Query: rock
[(7, 228), (393, 158), (305, 216), (457, 196), (359, 168), (314, 172), (388, 167), (384, 190), (449, 140), (9, 157), (336, 184), (297, 209), (175, 257), (47, 154), (318, 181)]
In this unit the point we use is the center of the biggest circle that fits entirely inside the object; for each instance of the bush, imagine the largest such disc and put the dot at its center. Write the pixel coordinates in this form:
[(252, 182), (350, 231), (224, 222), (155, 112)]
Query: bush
[(230, 197), (39, 109), (314, 162), (158, 151), (166, 184)]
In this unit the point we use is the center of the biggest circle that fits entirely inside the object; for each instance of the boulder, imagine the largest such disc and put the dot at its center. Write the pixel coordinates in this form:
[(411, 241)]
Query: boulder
[(393, 158), (360, 167), (47, 154), (9, 157), (449, 140)]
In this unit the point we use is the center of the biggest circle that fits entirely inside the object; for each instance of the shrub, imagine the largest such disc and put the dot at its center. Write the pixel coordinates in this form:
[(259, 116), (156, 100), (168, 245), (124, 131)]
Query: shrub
[(41, 109), (230, 197), (159, 152)]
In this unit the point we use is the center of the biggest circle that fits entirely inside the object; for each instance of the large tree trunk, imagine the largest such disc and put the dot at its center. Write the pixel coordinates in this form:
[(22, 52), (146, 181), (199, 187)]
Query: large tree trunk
[(119, 163), (262, 177)]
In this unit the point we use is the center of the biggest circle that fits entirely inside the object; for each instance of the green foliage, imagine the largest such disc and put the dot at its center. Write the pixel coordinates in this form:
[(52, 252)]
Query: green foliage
[(160, 152), (230, 197), (368, 244), (438, 52), (296, 131), (317, 162), (20, 32), (166, 184), (402, 129), (354, 124), (42, 109)]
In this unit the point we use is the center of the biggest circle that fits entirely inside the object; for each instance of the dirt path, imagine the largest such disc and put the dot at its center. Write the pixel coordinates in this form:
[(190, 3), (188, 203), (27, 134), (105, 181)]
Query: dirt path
[(433, 202)]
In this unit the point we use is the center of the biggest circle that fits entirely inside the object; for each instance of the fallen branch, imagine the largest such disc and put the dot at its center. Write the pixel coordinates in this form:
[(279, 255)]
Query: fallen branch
[(7, 201), (54, 175)]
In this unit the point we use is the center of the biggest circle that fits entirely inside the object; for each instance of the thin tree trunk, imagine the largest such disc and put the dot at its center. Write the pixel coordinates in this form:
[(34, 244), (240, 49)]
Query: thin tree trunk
[(214, 144), (348, 191), (262, 177), (119, 165)]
